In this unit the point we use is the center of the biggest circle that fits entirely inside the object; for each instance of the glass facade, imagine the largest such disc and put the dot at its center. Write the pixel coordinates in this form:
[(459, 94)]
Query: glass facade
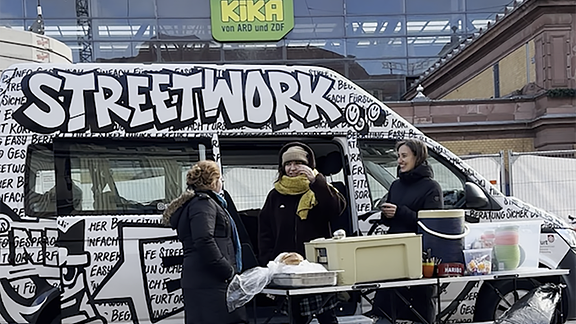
[(381, 45)]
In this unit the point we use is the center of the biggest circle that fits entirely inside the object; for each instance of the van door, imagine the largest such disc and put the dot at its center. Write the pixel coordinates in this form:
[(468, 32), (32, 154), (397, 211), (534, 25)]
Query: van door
[(118, 262)]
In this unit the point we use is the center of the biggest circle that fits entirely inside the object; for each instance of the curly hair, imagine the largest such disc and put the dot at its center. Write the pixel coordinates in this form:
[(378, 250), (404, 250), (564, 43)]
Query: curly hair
[(203, 175)]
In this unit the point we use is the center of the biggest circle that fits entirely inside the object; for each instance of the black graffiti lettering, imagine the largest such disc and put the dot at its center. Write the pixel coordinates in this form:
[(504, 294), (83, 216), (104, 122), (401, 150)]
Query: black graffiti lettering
[(363, 208), (18, 129), (140, 220), (47, 256), (170, 270), (62, 100), (360, 183), (10, 140), (160, 312), (12, 101), (29, 288), (20, 182), (100, 270), (354, 157), (12, 197), (120, 315), (156, 284), (466, 309), (361, 194), (29, 241), (166, 252), (150, 254), (337, 98), (151, 269), (14, 153), (357, 169), (102, 241), (396, 134), (106, 256), (161, 298), (12, 168), (6, 183), (4, 227), (98, 226)]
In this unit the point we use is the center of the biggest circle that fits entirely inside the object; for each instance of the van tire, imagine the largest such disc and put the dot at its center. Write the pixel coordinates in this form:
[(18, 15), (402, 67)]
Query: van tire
[(489, 304)]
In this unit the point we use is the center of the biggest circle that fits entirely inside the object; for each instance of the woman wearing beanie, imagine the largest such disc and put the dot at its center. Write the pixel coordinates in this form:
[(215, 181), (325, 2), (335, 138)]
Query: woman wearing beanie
[(212, 251), (298, 210)]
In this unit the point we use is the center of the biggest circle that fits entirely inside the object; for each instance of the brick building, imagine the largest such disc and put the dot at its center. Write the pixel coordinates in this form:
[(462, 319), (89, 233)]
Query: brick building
[(511, 86)]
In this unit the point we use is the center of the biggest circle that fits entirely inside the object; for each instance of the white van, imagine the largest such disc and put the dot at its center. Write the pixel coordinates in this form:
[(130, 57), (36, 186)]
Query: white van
[(91, 154)]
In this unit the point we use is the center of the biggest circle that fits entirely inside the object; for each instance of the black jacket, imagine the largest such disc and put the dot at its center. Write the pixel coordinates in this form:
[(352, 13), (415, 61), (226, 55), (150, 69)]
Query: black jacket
[(204, 228), (280, 229), (411, 192)]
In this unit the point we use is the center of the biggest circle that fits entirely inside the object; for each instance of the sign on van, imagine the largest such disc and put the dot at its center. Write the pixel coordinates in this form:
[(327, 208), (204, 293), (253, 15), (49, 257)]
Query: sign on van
[(251, 20)]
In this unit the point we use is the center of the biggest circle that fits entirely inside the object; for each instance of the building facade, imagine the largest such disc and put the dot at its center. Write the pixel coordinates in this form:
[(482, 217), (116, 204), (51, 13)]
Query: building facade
[(380, 45)]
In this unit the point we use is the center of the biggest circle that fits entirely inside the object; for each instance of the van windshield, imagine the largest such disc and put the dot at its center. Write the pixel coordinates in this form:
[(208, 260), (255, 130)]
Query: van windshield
[(379, 159)]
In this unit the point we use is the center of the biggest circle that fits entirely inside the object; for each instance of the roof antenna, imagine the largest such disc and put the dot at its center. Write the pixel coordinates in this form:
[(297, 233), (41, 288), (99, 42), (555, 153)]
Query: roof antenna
[(38, 25)]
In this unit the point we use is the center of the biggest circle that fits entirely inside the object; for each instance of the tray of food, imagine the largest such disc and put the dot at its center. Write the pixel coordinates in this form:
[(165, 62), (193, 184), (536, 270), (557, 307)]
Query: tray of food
[(305, 279)]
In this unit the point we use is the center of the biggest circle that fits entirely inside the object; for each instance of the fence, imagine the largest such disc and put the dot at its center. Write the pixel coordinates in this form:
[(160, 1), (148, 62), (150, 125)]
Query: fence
[(545, 179)]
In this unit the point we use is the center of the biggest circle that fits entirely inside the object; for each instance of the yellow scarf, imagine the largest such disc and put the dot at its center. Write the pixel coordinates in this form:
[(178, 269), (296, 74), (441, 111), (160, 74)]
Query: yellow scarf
[(296, 186)]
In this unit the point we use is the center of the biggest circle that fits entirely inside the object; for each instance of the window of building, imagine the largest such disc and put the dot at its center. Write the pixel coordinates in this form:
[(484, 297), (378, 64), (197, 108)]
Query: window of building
[(183, 9), (490, 6), (315, 49), (121, 8), (254, 51), (53, 9), (436, 6), (11, 9), (317, 27), (363, 48), (310, 8), (108, 176), (373, 7), (123, 29), (375, 26)]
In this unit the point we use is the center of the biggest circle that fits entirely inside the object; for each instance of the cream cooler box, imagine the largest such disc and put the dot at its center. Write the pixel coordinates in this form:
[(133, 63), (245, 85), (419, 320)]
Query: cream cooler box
[(369, 258)]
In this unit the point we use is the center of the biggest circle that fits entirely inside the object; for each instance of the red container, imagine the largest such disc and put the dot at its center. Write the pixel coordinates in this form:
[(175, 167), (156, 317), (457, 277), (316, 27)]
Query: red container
[(450, 269)]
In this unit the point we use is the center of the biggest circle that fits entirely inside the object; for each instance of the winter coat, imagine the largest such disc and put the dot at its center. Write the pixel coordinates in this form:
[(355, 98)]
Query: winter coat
[(280, 229), (204, 228), (413, 191)]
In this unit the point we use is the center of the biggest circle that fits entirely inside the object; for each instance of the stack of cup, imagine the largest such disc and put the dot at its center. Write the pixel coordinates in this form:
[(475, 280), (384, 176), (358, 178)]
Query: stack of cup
[(506, 248)]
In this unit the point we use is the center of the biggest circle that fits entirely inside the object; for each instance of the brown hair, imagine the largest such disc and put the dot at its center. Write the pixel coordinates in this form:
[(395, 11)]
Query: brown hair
[(203, 175), (417, 147)]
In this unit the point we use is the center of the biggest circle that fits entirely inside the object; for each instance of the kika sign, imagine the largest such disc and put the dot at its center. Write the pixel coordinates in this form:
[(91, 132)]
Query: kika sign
[(64, 101), (251, 20)]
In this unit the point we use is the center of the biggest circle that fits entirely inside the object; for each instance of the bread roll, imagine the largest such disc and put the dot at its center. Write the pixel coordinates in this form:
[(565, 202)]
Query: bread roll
[(291, 258)]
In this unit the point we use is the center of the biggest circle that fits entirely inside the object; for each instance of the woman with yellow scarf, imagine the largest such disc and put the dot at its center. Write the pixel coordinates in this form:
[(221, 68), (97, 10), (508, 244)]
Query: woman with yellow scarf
[(298, 210)]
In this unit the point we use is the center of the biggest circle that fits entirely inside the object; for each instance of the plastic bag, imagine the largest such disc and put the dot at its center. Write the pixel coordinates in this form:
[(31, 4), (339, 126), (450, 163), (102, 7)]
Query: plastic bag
[(245, 286), (536, 307)]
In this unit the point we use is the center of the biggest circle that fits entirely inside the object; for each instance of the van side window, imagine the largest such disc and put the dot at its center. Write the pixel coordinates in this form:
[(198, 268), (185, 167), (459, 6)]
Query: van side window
[(40, 184), (379, 158), (108, 176), (250, 168)]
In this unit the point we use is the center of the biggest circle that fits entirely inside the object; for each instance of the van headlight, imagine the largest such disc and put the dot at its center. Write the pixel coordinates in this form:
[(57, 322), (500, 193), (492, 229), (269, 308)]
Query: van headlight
[(569, 235)]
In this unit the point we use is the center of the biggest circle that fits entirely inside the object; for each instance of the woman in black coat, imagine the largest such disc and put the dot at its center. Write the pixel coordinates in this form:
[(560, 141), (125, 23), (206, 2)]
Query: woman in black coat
[(414, 190), (298, 210), (211, 247)]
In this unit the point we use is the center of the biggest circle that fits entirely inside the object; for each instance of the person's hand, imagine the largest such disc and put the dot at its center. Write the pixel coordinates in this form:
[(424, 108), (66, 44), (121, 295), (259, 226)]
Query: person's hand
[(388, 209), (307, 171)]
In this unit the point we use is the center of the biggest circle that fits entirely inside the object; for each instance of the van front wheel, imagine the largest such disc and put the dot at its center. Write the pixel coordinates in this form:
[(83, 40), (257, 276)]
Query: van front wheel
[(493, 301)]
